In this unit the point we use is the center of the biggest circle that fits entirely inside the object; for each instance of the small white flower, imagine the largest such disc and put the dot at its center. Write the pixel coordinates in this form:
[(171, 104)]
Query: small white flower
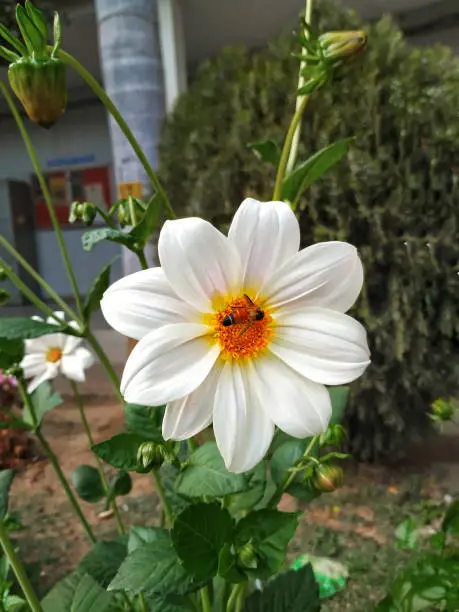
[(54, 354), (244, 378)]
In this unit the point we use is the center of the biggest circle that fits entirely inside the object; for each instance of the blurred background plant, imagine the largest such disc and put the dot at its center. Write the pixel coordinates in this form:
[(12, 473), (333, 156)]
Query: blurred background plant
[(394, 196)]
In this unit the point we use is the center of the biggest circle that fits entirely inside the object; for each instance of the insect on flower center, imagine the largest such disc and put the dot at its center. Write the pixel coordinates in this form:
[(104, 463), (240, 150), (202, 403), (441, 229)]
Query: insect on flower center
[(242, 328), (54, 354)]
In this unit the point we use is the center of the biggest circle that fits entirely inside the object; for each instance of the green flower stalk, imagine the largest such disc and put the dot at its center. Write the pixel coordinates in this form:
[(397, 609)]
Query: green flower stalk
[(37, 78)]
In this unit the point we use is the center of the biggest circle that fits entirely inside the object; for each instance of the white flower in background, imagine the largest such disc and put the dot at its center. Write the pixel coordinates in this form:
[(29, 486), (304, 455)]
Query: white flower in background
[(269, 365), (54, 354)]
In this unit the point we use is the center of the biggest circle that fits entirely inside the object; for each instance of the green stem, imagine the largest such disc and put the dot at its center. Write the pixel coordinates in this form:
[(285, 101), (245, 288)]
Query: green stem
[(40, 280), (54, 460), (301, 81), (142, 260), (19, 571), (234, 597), (100, 469), (28, 293), (241, 597), (46, 195), (206, 606), (159, 488), (142, 602), (105, 362), (107, 102), (286, 149), (284, 485)]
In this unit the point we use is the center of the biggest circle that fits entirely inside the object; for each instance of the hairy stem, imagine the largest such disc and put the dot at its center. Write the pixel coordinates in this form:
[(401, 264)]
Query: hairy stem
[(19, 570), (100, 469), (46, 195), (159, 488), (301, 81), (107, 102)]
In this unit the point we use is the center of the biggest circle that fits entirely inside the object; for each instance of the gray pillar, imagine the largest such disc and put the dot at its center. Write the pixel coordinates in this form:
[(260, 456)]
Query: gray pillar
[(132, 74)]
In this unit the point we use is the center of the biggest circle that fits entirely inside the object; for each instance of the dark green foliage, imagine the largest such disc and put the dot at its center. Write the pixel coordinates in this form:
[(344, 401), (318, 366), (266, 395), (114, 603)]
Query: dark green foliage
[(395, 196)]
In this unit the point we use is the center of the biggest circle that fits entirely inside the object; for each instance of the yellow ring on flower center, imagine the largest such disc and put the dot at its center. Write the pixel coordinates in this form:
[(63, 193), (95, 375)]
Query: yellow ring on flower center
[(54, 354), (245, 337)]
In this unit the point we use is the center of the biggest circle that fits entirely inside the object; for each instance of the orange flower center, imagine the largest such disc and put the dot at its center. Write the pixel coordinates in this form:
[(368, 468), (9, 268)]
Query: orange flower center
[(242, 328), (54, 354)]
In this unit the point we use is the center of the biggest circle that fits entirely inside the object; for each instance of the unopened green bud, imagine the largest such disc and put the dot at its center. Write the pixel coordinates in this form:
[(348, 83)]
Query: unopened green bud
[(82, 211), (41, 86), (150, 455), (4, 296), (247, 556), (327, 478), (342, 47), (334, 436), (442, 410), (131, 211)]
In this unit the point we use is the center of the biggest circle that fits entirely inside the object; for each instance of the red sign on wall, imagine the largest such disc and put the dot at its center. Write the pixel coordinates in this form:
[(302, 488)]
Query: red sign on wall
[(67, 186)]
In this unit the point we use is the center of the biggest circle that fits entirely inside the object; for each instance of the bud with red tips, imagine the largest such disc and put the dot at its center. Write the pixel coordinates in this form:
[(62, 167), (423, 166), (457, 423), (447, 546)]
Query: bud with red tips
[(327, 478)]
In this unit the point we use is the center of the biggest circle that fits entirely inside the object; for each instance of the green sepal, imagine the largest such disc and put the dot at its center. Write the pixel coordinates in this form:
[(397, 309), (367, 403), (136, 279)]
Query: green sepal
[(57, 32), (36, 17), (33, 38), (12, 40)]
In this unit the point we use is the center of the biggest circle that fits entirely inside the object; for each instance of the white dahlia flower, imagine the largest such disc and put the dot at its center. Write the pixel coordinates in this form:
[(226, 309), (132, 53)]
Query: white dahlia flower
[(243, 331), (54, 354)]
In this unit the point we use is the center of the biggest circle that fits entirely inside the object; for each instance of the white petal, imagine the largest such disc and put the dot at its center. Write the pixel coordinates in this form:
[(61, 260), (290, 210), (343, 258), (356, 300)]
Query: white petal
[(41, 344), (33, 364), (141, 302), (297, 405), (168, 363), (186, 417), (327, 274), (86, 357), (50, 372), (59, 314), (200, 263), (323, 345), (72, 367), (266, 235), (243, 430), (71, 343)]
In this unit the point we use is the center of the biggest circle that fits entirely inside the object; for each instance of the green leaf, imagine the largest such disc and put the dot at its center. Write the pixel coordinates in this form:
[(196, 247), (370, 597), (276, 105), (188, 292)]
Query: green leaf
[(22, 328), (77, 593), (96, 291), (138, 536), (312, 169), (154, 569), (267, 151), (13, 603), (283, 459), (6, 478), (227, 566), (87, 483), (451, 520), (169, 474), (93, 237), (121, 484), (9, 55), (407, 534), (256, 485), (198, 534), (339, 397), (121, 451), (289, 592), (33, 38), (141, 232), (103, 561), (11, 353), (206, 475), (144, 421), (36, 17), (44, 399), (269, 532), (12, 40)]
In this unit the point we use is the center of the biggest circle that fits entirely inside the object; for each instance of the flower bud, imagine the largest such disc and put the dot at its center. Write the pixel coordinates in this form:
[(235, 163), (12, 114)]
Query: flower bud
[(334, 436), (131, 211), (327, 478), (442, 410), (342, 47), (82, 211), (247, 556), (41, 86), (150, 455)]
